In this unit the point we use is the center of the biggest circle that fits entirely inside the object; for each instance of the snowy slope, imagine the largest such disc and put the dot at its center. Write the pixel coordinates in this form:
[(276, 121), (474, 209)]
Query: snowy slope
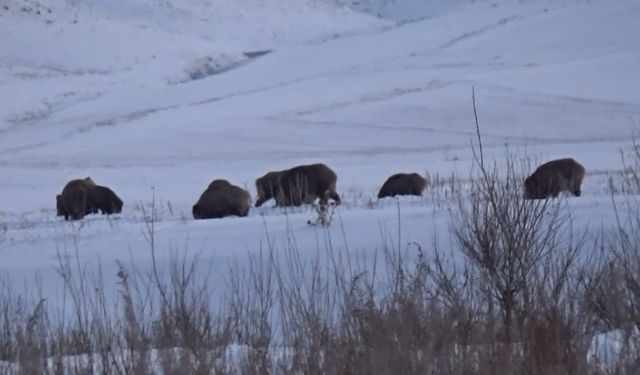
[(110, 91)]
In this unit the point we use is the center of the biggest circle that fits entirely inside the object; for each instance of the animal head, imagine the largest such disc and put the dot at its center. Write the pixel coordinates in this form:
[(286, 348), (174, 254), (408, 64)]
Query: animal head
[(117, 204), (267, 187), (196, 211), (59, 207)]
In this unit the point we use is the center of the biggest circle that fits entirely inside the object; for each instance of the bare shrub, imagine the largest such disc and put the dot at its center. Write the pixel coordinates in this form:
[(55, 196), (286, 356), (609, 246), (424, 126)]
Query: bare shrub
[(520, 259), (251, 302), (31, 341), (325, 211), (614, 298), (631, 167), (513, 278)]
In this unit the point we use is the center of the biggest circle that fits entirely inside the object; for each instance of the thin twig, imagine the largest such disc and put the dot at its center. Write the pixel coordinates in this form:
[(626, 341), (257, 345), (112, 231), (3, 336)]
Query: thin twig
[(475, 115)]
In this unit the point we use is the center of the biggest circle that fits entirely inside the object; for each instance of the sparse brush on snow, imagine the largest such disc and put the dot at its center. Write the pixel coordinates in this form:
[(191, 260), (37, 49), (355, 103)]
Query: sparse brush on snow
[(614, 298), (468, 278), (511, 293), (517, 289)]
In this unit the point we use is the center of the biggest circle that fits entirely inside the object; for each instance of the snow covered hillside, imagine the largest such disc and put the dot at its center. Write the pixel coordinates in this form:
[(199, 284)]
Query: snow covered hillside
[(170, 95)]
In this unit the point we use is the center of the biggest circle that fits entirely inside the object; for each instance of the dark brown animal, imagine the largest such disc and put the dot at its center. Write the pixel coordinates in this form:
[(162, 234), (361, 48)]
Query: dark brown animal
[(403, 184), (553, 177), (103, 199), (222, 199), (298, 185), (82, 197), (72, 202)]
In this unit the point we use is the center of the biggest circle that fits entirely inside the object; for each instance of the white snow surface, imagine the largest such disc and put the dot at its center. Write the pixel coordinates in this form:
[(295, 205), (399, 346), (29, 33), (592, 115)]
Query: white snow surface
[(159, 98)]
